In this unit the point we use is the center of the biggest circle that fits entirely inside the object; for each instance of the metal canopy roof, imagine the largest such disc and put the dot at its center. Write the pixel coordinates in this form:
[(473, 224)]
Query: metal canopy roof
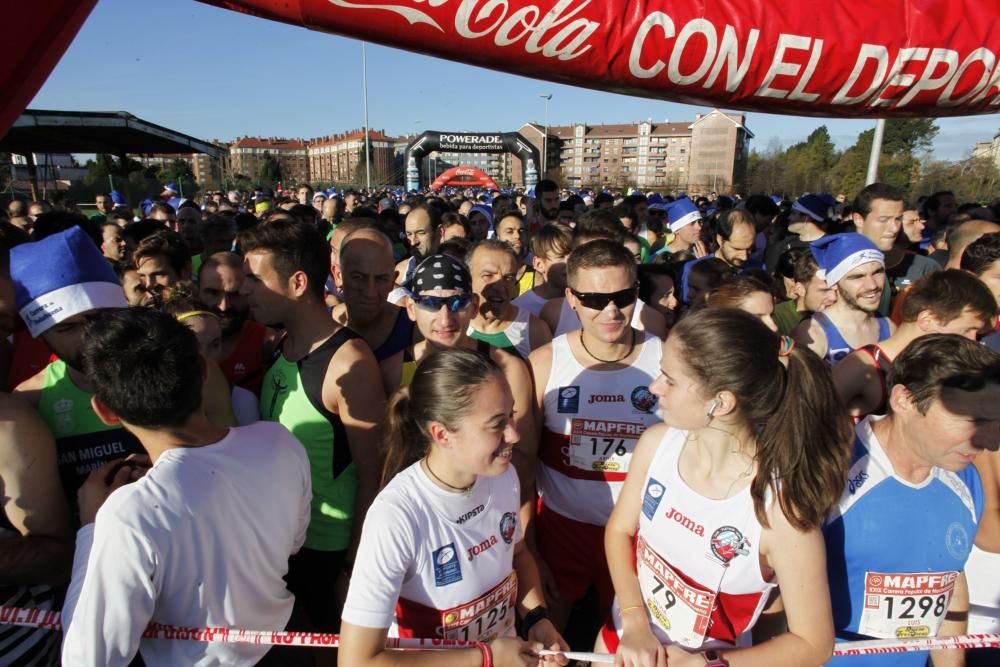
[(114, 132)]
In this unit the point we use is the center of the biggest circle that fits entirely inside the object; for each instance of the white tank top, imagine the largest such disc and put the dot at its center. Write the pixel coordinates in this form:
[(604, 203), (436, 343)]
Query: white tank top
[(592, 422), (698, 559), (438, 564), (568, 321)]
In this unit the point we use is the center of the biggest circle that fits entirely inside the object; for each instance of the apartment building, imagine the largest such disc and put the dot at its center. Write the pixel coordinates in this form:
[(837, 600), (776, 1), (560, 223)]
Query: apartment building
[(706, 155), (335, 158), (247, 154)]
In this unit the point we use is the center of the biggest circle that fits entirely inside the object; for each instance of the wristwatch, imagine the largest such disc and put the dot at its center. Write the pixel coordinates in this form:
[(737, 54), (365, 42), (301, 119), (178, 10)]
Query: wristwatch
[(715, 659), (532, 617)]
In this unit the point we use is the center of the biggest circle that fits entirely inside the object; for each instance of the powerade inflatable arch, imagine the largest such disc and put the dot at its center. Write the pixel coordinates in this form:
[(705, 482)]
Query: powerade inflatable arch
[(471, 142), (464, 177)]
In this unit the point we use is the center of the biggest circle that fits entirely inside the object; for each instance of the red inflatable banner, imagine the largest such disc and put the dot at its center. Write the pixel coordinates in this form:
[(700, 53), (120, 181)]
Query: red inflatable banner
[(37, 35), (852, 58), (464, 177)]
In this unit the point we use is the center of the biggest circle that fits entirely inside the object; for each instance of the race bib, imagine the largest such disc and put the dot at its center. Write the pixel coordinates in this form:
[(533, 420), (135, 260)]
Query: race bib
[(678, 608), (485, 618), (601, 446), (903, 606)]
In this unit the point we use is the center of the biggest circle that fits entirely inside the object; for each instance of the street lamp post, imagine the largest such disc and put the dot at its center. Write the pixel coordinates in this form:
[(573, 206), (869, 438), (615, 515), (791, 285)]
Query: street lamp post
[(545, 137), (364, 83)]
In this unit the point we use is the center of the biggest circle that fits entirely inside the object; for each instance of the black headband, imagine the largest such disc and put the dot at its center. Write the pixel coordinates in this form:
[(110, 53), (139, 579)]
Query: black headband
[(440, 272)]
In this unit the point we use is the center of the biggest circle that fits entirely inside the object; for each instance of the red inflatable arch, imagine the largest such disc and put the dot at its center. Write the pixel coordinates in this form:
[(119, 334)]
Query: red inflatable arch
[(464, 177)]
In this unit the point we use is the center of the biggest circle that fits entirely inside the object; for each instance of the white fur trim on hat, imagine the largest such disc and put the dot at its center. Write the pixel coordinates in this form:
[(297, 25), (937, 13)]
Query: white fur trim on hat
[(48, 310), (851, 262)]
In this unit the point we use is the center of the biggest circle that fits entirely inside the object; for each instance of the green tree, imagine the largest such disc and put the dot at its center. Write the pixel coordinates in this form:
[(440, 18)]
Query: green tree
[(904, 145), (270, 171), (179, 171)]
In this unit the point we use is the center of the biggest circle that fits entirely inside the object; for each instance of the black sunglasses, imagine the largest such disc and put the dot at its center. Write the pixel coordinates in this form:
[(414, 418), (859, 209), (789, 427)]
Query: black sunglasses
[(600, 300), (453, 303)]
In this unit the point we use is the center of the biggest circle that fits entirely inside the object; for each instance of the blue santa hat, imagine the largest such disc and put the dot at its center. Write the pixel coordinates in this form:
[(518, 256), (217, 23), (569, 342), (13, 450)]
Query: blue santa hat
[(485, 210), (814, 207), (118, 199), (682, 213), (61, 276), (171, 188), (839, 254)]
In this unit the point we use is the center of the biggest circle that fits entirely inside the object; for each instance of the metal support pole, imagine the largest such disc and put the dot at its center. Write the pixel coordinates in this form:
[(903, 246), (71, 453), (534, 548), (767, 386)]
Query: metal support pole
[(545, 137), (876, 151), (364, 79)]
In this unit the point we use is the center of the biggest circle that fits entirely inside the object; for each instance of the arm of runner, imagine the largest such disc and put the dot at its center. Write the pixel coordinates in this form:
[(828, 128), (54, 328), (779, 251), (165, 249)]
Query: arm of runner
[(850, 377), (349, 391), (638, 645), (653, 322), (540, 363), (217, 397), (799, 562), (956, 622), (113, 592), (550, 313), (810, 334), (34, 502), (526, 450), (988, 535), (31, 389), (539, 332), (530, 595)]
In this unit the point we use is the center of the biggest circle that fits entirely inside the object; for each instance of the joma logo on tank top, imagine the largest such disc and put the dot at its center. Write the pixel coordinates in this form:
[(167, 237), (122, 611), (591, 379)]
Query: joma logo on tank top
[(605, 398), (684, 521)]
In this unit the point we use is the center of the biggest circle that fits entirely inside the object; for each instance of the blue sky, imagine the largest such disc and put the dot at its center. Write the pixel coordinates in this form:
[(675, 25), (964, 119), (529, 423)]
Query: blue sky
[(217, 74)]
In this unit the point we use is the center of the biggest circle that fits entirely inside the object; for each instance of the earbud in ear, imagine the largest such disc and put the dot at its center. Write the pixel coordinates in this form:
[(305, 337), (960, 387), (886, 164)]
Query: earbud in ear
[(715, 406)]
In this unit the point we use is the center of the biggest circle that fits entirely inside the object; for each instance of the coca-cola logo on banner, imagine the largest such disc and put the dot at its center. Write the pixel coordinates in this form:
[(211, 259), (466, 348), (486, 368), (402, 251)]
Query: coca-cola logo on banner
[(848, 58)]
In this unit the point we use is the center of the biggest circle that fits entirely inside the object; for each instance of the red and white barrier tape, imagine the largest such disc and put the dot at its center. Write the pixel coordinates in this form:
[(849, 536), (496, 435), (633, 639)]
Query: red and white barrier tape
[(52, 620)]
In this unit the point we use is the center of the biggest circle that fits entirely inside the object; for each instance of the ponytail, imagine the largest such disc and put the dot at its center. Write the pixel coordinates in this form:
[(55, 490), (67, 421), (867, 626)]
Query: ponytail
[(405, 444), (803, 451)]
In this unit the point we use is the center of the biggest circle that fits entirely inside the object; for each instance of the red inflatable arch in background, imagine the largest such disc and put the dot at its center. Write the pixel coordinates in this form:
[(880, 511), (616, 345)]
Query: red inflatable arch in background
[(464, 177)]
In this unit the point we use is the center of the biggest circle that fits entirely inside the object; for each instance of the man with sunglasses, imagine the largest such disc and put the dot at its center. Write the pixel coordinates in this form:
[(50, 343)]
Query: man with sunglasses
[(558, 313), (592, 390)]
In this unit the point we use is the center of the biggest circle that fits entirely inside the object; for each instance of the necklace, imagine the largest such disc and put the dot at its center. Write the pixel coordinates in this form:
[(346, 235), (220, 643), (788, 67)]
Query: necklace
[(608, 361), (457, 489)]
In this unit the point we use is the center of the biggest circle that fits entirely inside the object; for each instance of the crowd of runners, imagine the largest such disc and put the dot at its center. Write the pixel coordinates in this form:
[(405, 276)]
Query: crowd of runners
[(682, 430)]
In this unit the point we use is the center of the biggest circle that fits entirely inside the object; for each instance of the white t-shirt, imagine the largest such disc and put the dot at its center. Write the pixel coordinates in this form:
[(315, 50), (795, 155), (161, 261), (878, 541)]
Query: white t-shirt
[(432, 563), (202, 540)]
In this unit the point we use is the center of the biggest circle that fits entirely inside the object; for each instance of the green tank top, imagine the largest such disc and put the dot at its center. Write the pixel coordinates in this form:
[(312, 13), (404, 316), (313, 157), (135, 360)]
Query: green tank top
[(83, 441), (292, 395)]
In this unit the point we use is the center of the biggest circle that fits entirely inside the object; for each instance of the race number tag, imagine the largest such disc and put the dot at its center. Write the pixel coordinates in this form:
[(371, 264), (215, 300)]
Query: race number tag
[(485, 618), (681, 610), (903, 606), (602, 446)]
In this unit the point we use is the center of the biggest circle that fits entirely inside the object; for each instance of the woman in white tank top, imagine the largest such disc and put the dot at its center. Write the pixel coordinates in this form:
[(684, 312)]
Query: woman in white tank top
[(442, 553), (725, 499)]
